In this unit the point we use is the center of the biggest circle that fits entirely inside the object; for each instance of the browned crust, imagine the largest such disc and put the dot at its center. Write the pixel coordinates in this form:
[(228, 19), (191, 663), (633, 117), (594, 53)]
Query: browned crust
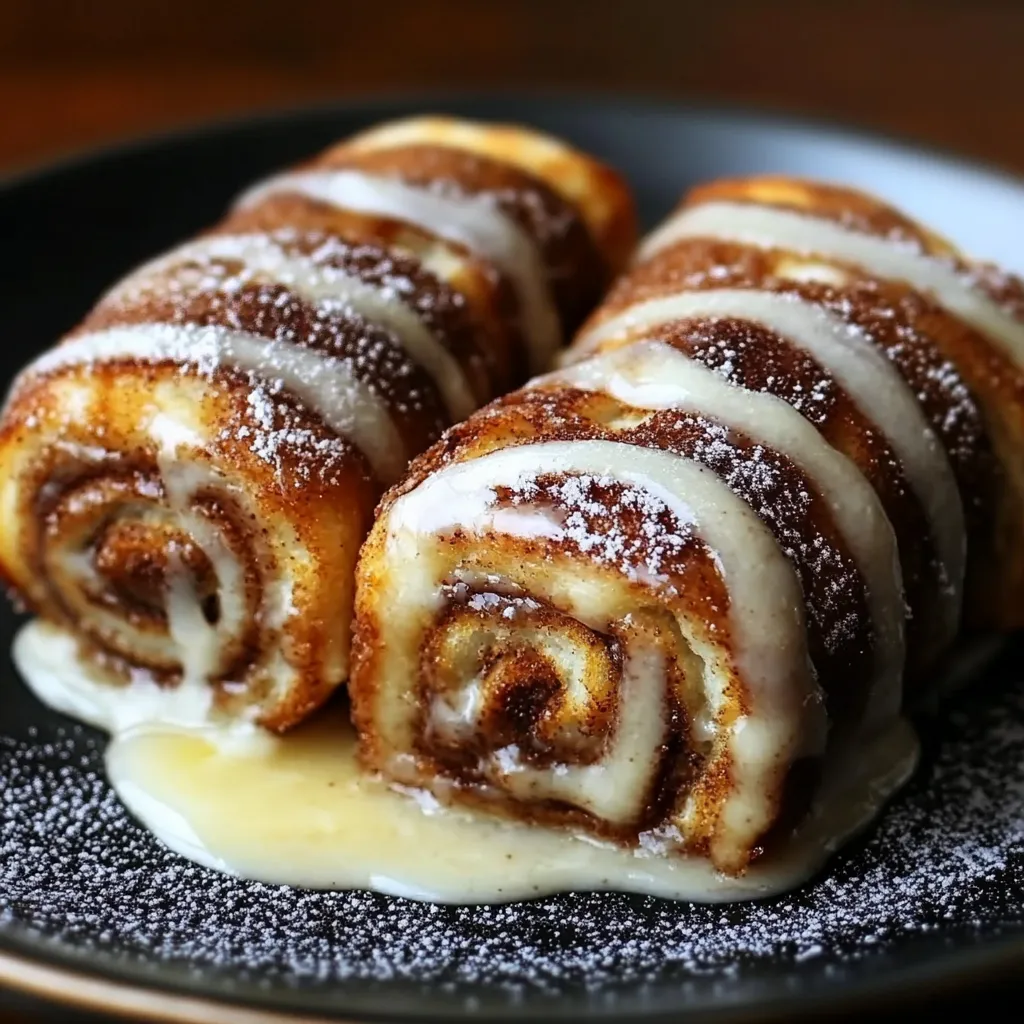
[(580, 253), (597, 191), (576, 268), (472, 339), (488, 299), (850, 207), (996, 496), (862, 212), (375, 355)]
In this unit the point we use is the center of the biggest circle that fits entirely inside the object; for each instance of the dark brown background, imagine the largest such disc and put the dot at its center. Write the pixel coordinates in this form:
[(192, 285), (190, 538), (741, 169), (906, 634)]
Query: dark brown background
[(75, 73)]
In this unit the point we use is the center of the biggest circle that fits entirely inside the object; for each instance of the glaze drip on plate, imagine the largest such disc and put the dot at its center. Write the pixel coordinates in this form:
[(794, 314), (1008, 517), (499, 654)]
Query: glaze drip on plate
[(298, 810)]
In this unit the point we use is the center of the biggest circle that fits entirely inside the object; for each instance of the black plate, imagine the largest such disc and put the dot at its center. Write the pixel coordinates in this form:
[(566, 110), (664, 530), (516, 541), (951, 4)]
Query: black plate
[(935, 892)]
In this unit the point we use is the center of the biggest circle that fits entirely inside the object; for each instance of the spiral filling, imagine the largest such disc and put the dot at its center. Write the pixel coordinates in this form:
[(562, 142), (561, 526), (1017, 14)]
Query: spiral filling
[(578, 656)]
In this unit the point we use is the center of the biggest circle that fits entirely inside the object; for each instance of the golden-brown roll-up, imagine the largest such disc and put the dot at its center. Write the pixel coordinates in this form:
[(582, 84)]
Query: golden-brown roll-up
[(669, 594), (185, 479)]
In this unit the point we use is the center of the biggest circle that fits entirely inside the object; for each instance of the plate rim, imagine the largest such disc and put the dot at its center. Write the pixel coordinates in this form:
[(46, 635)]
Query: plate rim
[(50, 974), (69, 160)]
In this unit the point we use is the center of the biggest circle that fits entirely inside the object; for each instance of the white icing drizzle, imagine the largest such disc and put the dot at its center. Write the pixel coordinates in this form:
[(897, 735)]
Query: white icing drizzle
[(871, 381), (196, 640), (471, 221), (49, 659), (786, 717), (324, 383), (200, 644), (326, 286), (770, 228), (654, 375)]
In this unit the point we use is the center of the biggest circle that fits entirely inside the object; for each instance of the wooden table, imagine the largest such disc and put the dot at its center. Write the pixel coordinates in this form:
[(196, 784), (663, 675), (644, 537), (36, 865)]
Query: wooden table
[(74, 75), (949, 72)]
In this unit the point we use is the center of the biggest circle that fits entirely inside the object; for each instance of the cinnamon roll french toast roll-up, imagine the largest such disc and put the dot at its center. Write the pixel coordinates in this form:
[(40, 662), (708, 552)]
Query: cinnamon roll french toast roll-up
[(186, 478), (668, 594)]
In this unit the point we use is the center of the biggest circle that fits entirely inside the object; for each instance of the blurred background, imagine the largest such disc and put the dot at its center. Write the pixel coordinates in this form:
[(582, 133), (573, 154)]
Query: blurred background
[(74, 73)]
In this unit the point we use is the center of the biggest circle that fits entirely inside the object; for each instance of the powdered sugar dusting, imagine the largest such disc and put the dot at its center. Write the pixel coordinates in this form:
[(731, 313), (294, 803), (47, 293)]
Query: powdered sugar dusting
[(785, 500), (618, 524), (945, 861), (273, 429), (325, 384), (302, 288)]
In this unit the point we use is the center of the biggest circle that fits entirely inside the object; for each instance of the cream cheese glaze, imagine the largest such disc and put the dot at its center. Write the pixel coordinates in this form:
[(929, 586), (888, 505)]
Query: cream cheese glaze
[(768, 227), (873, 383), (297, 810), (325, 383), (474, 222), (263, 255)]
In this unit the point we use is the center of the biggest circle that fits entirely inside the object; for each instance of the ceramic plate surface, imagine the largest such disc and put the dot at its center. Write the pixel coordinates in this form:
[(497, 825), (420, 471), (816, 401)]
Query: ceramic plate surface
[(933, 894)]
